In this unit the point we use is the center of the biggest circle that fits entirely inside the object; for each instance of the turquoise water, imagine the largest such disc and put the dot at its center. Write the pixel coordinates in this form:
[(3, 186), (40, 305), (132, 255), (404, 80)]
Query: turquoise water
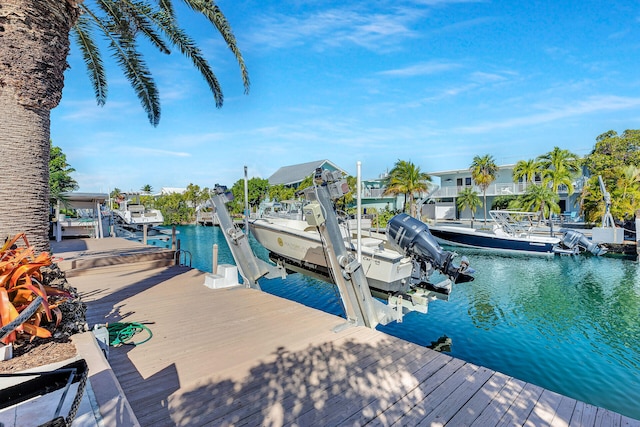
[(568, 324)]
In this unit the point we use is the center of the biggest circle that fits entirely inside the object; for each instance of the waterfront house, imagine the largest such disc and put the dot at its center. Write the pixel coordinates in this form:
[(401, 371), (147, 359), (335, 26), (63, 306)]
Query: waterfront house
[(452, 182)]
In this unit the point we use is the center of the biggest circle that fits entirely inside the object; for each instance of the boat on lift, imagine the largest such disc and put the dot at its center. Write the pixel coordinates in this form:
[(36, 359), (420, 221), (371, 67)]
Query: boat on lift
[(132, 215), (389, 268), (513, 232)]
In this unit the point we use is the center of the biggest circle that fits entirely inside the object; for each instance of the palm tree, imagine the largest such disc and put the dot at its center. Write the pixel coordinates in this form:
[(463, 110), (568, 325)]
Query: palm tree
[(32, 79), (560, 159), (468, 198), (526, 171), (483, 172), (558, 167), (540, 198), (60, 171), (114, 195), (626, 193), (554, 178), (406, 178), (148, 189)]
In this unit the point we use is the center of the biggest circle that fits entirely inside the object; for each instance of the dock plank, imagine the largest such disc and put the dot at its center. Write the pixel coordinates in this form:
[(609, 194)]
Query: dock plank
[(520, 409), (544, 410), (431, 400), (564, 412), (381, 367), (307, 385), (499, 406), (472, 409), (430, 378), (442, 413)]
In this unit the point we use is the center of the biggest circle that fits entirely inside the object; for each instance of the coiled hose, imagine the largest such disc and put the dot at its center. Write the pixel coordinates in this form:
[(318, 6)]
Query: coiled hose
[(122, 333)]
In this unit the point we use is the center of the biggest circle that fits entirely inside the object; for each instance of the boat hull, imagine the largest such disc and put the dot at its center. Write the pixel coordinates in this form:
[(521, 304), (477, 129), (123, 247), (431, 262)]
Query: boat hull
[(470, 238), (302, 248)]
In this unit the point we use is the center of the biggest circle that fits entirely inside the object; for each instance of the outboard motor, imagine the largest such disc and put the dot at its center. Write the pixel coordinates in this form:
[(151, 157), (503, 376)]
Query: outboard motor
[(573, 238), (413, 238)]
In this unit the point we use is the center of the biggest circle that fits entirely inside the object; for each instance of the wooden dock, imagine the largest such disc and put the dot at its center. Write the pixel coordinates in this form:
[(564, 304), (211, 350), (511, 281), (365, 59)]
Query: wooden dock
[(243, 357)]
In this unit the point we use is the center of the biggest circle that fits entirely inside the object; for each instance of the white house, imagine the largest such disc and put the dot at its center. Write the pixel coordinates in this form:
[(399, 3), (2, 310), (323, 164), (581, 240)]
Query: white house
[(454, 181)]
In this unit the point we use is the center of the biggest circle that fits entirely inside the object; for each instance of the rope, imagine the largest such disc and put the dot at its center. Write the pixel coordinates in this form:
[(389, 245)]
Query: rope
[(123, 333), (23, 317)]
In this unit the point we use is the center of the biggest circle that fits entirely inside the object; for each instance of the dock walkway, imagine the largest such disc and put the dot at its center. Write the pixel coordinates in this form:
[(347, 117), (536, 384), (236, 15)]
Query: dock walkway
[(243, 357)]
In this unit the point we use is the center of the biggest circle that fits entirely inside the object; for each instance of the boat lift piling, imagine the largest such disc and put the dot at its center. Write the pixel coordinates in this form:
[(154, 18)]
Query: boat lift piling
[(214, 261), (251, 268), (360, 307)]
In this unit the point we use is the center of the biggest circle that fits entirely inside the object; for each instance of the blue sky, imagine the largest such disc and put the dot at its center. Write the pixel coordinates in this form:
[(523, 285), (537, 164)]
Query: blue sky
[(435, 82)]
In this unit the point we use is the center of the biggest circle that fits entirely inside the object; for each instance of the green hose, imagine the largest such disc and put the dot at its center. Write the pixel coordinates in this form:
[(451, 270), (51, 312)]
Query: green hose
[(123, 333)]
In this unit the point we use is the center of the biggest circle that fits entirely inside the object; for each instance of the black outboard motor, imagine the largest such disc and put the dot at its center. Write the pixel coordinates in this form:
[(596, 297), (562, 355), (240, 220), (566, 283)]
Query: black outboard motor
[(413, 238), (573, 238)]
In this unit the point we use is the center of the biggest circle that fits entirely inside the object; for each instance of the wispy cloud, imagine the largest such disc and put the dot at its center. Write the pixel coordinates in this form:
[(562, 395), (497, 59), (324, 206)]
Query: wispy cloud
[(425, 68), (88, 110), (338, 27), (445, 2), (589, 106), (157, 152), (482, 77)]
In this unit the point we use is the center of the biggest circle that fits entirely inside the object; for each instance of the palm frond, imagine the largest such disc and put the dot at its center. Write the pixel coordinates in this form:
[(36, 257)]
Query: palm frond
[(140, 17), (167, 6), (213, 13), (189, 49), (122, 21), (91, 55), (124, 49)]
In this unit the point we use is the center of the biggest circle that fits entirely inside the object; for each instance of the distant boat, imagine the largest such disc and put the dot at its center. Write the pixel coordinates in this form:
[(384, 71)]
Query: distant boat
[(133, 216), (512, 232)]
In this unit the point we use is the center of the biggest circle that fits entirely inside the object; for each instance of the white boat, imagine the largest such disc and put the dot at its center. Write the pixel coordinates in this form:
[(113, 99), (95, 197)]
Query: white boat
[(133, 215), (298, 246), (514, 232)]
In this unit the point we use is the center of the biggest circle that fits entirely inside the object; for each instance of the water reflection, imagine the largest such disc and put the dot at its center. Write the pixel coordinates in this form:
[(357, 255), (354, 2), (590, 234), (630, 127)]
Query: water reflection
[(442, 344)]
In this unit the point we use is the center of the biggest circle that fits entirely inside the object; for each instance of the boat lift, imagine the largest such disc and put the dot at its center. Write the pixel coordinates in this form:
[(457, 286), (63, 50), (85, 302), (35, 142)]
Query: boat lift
[(407, 234), (251, 268), (608, 232), (360, 307)]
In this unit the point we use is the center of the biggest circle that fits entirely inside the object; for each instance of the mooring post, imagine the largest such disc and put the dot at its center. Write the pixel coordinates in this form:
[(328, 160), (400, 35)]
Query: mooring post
[(173, 238), (145, 229), (214, 270)]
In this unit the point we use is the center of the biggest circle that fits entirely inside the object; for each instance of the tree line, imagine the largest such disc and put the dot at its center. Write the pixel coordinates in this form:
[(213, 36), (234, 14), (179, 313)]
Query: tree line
[(616, 158)]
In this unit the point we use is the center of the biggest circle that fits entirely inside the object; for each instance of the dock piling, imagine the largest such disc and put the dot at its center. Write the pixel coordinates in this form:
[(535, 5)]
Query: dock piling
[(214, 269)]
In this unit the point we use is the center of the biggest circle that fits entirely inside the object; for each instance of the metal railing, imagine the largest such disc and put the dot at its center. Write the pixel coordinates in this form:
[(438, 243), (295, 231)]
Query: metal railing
[(180, 257), (498, 189), (377, 193)]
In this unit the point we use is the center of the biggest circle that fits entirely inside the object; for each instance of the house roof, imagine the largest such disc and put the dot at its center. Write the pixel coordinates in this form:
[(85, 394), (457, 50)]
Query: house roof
[(81, 200), (171, 190), (290, 175), (84, 197), (465, 170)]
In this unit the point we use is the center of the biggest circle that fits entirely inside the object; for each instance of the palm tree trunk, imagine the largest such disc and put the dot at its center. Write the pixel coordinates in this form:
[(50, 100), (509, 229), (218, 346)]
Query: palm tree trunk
[(24, 188), (34, 45), (412, 210), (484, 195)]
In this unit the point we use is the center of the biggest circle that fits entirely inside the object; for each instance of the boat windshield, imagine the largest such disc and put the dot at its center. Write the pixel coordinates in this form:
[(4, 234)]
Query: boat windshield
[(515, 222)]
